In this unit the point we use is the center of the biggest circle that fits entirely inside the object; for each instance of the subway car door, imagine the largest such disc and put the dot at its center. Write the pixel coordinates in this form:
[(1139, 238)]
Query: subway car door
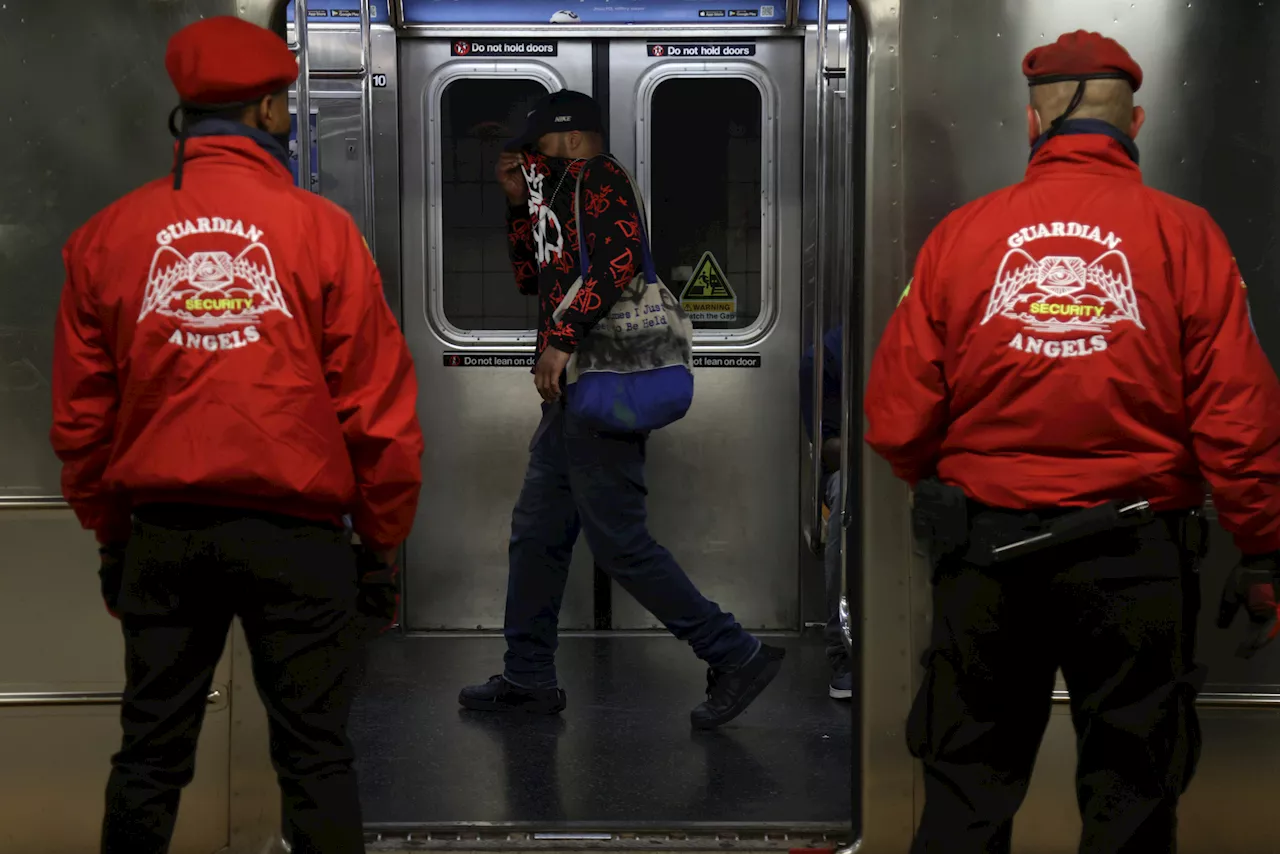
[(716, 150), (471, 332)]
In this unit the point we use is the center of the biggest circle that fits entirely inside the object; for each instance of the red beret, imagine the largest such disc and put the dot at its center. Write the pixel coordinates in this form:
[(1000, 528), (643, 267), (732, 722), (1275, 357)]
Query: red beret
[(225, 61), (1080, 56)]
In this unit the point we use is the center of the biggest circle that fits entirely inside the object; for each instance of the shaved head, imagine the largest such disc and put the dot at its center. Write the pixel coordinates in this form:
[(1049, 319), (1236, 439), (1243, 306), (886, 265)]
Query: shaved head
[(1106, 99)]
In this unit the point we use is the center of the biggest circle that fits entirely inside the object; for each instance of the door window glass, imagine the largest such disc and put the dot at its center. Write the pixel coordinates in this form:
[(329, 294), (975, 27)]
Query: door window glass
[(477, 116), (705, 179)]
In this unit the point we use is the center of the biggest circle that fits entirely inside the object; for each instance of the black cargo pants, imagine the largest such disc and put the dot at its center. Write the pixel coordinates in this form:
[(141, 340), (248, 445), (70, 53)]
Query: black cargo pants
[(187, 572), (1117, 613)]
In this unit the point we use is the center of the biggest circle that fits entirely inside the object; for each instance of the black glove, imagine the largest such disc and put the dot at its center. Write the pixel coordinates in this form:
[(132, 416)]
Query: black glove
[(111, 576), (1253, 584), (379, 597)]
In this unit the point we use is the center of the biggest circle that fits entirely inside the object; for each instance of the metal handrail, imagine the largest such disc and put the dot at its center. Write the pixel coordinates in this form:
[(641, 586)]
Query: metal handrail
[(820, 276), (35, 502), (851, 449), (1210, 700), (75, 698), (851, 445), (335, 74), (366, 116), (303, 97)]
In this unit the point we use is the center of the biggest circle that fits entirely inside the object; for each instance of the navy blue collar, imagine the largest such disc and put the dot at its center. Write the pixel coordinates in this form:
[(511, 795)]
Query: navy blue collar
[(225, 127), (1080, 126)]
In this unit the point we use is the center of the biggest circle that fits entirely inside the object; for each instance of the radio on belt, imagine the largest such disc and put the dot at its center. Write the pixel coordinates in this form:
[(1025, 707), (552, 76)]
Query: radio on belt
[(1077, 525)]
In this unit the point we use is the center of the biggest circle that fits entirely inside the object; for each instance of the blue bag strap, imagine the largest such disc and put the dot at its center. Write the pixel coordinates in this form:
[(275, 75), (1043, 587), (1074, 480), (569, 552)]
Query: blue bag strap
[(646, 256)]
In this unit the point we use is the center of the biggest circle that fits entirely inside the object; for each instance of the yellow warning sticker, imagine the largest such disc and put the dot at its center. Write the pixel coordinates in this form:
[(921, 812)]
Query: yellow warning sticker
[(707, 296)]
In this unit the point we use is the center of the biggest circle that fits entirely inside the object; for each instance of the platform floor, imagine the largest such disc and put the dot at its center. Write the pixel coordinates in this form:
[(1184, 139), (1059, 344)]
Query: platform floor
[(622, 754)]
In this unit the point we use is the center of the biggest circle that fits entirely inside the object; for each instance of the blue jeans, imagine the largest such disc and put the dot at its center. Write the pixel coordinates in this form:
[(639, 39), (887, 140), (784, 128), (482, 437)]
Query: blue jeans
[(579, 479), (837, 654)]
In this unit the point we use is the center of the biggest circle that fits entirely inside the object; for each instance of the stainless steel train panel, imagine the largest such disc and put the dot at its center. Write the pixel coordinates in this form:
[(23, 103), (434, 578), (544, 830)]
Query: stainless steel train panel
[(340, 147), (1210, 815), (459, 295), (709, 151), (61, 676), (65, 159), (891, 582), (56, 762), (385, 240), (344, 166), (344, 169)]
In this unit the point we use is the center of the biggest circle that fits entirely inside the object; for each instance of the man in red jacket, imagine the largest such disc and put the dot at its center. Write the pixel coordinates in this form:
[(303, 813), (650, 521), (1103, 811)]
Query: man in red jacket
[(228, 384), (1072, 357)]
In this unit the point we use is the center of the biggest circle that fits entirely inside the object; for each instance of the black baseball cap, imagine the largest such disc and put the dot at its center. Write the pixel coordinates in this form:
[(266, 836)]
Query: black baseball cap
[(559, 112)]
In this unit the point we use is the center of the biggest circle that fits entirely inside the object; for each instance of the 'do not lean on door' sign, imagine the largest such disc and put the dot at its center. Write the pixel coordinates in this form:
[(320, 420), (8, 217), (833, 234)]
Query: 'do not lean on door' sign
[(506, 359)]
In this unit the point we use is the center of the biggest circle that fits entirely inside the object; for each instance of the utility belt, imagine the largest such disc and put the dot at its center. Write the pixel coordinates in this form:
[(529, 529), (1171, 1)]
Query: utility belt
[(955, 525), (195, 517)]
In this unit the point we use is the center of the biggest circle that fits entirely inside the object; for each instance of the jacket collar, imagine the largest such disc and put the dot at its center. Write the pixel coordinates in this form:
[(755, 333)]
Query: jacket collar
[(1085, 145), (236, 149)]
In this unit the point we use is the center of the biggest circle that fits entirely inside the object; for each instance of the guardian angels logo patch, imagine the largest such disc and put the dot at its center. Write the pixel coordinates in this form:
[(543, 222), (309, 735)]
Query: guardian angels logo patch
[(1067, 305), (217, 299)]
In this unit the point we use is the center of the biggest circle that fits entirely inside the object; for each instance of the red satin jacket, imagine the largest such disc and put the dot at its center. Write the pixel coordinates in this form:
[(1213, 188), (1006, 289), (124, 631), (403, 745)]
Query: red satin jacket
[(1079, 337), (229, 344)]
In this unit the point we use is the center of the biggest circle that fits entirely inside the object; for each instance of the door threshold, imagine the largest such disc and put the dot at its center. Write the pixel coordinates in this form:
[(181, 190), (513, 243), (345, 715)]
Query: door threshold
[(591, 633), (636, 836)]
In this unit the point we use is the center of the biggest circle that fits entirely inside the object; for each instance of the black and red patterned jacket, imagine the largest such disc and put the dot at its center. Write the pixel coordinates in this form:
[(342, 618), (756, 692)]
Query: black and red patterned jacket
[(544, 243)]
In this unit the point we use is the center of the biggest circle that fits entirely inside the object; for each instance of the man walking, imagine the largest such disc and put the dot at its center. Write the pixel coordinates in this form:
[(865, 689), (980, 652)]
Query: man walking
[(579, 478)]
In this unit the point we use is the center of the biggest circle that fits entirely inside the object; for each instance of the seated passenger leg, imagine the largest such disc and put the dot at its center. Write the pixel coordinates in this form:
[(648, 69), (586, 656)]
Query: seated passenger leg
[(174, 636), (544, 528), (981, 711), (607, 477), (1129, 665), (841, 685)]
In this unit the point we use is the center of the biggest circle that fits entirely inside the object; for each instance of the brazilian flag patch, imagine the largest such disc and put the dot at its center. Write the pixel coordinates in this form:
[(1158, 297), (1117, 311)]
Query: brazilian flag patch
[(905, 291)]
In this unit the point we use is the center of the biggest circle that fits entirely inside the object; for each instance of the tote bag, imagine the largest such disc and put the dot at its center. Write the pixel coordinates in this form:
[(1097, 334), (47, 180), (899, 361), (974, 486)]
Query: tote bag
[(633, 372)]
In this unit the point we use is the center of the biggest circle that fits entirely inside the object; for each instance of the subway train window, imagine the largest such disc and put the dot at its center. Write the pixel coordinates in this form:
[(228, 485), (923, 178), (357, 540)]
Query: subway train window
[(705, 178), (476, 117)]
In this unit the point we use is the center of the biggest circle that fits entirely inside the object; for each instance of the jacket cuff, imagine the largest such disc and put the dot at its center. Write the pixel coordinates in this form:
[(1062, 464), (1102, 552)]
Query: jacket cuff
[(1256, 548), (114, 531)]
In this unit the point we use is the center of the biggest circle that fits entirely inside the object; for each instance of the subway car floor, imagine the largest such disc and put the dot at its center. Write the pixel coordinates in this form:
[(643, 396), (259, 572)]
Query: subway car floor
[(621, 756)]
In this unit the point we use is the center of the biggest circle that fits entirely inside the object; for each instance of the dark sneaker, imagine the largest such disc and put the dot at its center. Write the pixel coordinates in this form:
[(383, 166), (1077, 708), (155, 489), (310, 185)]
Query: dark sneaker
[(841, 687), (499, 695), (731, 689)]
